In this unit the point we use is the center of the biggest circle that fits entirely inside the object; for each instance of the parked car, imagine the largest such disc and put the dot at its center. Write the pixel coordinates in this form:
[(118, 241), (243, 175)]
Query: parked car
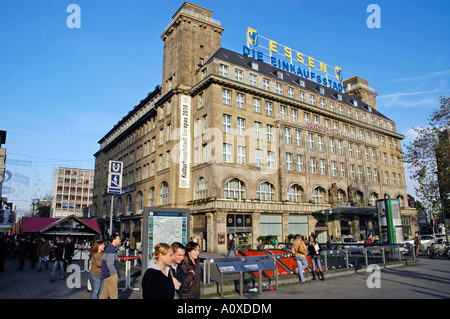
[(425, 241)]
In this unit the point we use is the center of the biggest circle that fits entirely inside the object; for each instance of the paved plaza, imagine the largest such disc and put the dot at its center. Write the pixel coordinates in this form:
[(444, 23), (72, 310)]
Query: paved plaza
[(428, 279)]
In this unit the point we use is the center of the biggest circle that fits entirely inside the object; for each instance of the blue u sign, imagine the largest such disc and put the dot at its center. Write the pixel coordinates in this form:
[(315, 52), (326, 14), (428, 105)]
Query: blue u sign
[(115, 167)]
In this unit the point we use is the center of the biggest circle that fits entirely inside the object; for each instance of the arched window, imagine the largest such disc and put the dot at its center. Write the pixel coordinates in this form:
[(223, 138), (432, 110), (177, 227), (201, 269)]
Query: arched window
[(105, 209), (234, 188), (373, 199), (201, 188), (401, 199), (140, 203), (120, 205), (265, 191), (318, 195), (151, 197), (129, 204), (342, 197), (359, 198), (295, 193), (164, 194)]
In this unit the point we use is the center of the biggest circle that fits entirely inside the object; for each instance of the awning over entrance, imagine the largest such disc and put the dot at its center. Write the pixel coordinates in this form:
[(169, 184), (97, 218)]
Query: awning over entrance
[(349, 210)]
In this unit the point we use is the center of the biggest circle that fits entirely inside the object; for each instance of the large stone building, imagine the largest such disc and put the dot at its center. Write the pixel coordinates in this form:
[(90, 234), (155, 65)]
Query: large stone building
[(252, 150)]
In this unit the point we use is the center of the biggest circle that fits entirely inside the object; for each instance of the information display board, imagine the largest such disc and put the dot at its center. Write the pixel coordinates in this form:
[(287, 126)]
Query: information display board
[(163, 225), (390, 221)]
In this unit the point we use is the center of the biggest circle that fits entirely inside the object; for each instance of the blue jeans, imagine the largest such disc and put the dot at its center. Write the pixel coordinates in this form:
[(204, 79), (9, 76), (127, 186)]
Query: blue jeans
[(302, 265), (57, 263), (232, 249), (314, 261), (41, 259), (97, 285)]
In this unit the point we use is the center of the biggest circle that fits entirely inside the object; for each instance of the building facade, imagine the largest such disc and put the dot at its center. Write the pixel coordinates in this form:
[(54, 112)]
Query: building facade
[(250, 149), (72, 191)]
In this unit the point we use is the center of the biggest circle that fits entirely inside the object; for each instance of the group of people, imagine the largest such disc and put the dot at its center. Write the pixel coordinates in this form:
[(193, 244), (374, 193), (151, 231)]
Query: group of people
[(174, 272), (301, 249)]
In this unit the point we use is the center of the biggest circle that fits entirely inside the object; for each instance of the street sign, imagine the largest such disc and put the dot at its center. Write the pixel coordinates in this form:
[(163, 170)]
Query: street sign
[(114, 183)]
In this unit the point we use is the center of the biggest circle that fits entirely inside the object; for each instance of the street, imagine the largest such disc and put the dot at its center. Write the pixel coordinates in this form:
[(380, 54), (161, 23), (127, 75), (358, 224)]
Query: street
[(430, 279)]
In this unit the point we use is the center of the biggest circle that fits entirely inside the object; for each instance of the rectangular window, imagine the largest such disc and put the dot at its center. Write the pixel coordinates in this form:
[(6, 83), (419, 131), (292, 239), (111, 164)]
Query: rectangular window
[(266, 84), (322, 166), (241, 154), (256, 105), (312, 165), (226, 97), (223, 71), (283, 114), (241, 126), (258, 157), (269, 108), (311, 140), (294, 115), (226, 123), (288, 161), (240, 101), (298, 137), (253, 80), (227, 153), (269, 133), (299, 163), (287, 135), (238, 75), (257, 133), (271, 159)]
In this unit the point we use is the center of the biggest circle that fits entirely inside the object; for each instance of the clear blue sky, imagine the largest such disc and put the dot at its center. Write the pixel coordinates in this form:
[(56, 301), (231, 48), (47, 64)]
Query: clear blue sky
[(63, 89)]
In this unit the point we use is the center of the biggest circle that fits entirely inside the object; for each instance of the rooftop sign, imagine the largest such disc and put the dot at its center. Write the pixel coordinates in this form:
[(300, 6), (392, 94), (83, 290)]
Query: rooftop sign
[(289, 60)]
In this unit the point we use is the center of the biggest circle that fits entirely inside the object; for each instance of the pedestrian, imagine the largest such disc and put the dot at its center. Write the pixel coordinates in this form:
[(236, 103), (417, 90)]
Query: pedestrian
[(299, 250), (367, 243), (314, 250), (95, 273), (42, 252), (22, 249), (158, 282), (417, 243), (275, 242), (3, 245), (232, 247), (110, 269), (177, 271), (69, 253), (60, 251), (32, 250), (192, 272)]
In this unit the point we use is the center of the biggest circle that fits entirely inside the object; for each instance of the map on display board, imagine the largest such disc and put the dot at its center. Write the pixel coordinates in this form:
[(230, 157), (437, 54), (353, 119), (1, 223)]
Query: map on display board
[(166, 228), (163, 225)]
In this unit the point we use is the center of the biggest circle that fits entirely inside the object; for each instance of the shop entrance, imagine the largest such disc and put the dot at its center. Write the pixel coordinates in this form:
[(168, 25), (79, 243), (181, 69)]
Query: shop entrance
[(243, 240)]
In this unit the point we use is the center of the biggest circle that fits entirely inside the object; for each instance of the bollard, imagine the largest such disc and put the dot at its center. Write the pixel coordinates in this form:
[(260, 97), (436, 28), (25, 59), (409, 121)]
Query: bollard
[(366, 257)]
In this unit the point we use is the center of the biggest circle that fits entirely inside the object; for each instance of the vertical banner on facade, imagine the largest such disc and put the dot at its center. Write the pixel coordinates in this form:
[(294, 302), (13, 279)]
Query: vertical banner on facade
[(185, 141)]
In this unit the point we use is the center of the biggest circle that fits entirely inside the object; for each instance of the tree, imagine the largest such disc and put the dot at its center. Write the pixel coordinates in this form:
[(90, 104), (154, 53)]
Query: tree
[(427, 157)]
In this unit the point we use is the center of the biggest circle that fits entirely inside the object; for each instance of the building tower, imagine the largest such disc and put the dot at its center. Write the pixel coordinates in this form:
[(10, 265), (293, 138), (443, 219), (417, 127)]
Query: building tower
[(360, 89)]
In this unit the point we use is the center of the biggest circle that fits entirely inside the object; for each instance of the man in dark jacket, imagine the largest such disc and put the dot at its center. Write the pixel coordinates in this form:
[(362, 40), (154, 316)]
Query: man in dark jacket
[(60, 248), (70, 251), (177, 272), (110, 269)]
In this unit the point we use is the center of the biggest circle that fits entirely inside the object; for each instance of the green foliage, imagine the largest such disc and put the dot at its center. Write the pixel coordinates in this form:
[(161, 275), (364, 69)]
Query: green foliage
[(427, 156)]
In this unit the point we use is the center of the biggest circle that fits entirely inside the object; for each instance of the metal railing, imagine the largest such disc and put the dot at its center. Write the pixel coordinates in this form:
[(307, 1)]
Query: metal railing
[(333, 257)]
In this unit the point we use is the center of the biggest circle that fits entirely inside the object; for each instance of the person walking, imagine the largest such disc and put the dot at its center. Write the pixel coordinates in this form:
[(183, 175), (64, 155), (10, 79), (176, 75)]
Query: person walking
[(32, 250), (314, 250), (3, 245), (42, 252), (417, 243), (22, 248), (177, 272), (60, 250), (299, 250), (158, 282), (70, 246), (232, 247), (192, 271), (95, 273), (110, 269)]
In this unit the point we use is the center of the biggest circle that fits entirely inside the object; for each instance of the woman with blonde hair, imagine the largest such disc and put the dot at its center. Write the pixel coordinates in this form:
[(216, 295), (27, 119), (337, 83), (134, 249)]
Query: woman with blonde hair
[(157, 282), (95, 273)]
